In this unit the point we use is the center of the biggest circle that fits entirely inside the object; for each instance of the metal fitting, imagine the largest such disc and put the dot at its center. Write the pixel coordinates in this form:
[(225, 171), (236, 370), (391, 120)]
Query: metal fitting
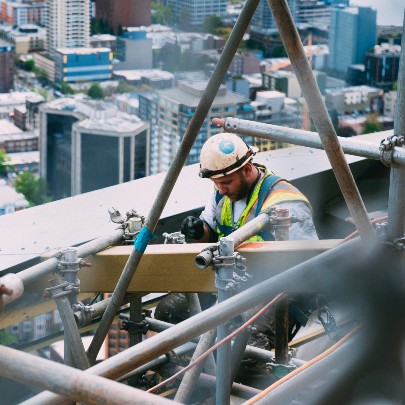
[(176, 238), (205, 258), (387, 147)]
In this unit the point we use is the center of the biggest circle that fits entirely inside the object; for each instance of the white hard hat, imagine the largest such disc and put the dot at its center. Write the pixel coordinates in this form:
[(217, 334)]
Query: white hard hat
[(223, 154)]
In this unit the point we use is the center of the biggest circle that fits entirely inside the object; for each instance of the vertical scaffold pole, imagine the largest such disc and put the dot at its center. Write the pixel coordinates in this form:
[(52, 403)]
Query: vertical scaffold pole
[(167, 186), (224, 353), (396, 201), (323, 123)]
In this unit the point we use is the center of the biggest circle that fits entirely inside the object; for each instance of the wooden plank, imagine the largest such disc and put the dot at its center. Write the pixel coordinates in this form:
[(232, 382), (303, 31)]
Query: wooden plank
[(169, 268)]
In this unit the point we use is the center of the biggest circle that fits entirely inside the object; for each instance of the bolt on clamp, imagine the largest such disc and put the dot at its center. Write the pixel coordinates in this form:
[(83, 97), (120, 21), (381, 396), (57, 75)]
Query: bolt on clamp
[(387, 147), (132, 223), (65, 288)]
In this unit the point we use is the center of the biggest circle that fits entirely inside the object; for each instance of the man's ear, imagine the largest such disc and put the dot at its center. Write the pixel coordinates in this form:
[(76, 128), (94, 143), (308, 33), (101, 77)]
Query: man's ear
[(247, 169)]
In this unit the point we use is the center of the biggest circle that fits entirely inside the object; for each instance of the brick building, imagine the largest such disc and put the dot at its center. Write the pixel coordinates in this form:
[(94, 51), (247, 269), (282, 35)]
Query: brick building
[(124, 13)]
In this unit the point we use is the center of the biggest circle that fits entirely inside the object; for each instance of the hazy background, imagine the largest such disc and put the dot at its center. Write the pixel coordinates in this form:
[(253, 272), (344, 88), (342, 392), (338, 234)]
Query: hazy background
[(389, 12)]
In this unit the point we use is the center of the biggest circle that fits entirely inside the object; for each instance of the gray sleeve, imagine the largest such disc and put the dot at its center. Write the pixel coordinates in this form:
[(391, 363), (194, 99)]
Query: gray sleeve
[(304, 228), (208, 214)]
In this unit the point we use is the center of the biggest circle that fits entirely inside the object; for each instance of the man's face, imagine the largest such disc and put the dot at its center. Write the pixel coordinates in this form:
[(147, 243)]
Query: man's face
[(234, 185)]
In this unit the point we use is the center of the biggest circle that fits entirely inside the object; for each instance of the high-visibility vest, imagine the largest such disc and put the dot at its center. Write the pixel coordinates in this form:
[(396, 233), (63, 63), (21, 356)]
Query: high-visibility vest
[(270, 190)]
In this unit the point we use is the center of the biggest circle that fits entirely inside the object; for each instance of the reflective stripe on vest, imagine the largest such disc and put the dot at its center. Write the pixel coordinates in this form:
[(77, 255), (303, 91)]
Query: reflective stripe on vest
[(281, 191)]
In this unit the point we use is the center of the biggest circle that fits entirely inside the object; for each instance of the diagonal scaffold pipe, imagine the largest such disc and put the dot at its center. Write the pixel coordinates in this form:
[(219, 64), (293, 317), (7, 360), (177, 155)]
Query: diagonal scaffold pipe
[(185, 146), (322, 121)]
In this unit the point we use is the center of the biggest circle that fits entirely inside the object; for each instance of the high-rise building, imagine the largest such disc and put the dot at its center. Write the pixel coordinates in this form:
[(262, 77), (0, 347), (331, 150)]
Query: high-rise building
[(263, 27), (382, 66), (195, 12), (353, 32), (124, 13), (170, 111), (68, 24), (263, 21), (88, 146), (6, 67), (313, 12)]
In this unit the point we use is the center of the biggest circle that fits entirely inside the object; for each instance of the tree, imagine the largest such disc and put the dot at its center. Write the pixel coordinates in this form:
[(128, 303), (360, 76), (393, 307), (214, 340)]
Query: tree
[(371, 124), (212, 24), (95, 91), (34, 188), (29, 65), (66, 89), (161, 14), (3, 162), (6, 338)]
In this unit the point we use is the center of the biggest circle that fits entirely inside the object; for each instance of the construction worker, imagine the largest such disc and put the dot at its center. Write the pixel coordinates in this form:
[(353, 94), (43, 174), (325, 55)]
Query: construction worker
[(242, 189)]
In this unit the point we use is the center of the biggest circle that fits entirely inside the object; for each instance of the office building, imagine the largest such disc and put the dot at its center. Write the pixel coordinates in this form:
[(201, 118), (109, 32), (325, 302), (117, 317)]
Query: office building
[(88, 146), (287, 82), (390, 99), (67, 24), (25, 38), (313, 12), (104, 41), (170, 111), (6, 67), (82, 64), (382, 66), (134, 51), (194, 13), (263, 21), (354, 99), (124, 13), (263, 27), (10, 200), (353, 32), (22, 12)]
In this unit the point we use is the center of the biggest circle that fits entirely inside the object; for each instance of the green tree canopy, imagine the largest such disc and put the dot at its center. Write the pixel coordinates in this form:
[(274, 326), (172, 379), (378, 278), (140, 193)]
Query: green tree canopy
[(29, 65), (161, 14), (212, 24), (95, 91), (3, 162), (33, 188), (66, 89), (371, 124)]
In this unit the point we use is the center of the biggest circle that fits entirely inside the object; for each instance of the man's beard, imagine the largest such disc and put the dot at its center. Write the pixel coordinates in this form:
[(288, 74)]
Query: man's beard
[(243, 191)]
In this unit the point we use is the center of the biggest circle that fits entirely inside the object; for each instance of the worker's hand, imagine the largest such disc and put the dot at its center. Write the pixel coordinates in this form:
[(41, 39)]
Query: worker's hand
[(192, 228)]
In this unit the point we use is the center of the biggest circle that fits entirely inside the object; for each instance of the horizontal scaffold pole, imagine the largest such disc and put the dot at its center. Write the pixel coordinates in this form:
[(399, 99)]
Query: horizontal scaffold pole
[(351, 146)]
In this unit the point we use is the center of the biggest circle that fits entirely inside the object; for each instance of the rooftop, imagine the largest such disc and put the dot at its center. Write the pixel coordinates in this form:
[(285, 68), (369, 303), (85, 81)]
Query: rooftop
[(81, 51), (189, 93)]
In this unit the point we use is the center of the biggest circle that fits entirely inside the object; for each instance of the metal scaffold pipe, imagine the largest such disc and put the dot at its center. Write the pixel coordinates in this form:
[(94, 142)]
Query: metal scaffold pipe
[(261, 130), (396, 200), (310, 275), (29, 275), (73, 384), (192, 131), (319, 114)]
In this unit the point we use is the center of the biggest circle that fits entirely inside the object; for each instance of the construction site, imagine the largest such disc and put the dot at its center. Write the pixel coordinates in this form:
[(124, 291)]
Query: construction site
[(108, 257)]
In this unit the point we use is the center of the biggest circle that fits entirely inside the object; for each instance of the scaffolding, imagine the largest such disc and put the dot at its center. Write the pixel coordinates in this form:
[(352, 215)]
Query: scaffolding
[(365, 269)]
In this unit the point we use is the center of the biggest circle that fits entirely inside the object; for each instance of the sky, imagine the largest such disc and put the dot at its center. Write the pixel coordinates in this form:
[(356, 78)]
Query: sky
[(389, 12)]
